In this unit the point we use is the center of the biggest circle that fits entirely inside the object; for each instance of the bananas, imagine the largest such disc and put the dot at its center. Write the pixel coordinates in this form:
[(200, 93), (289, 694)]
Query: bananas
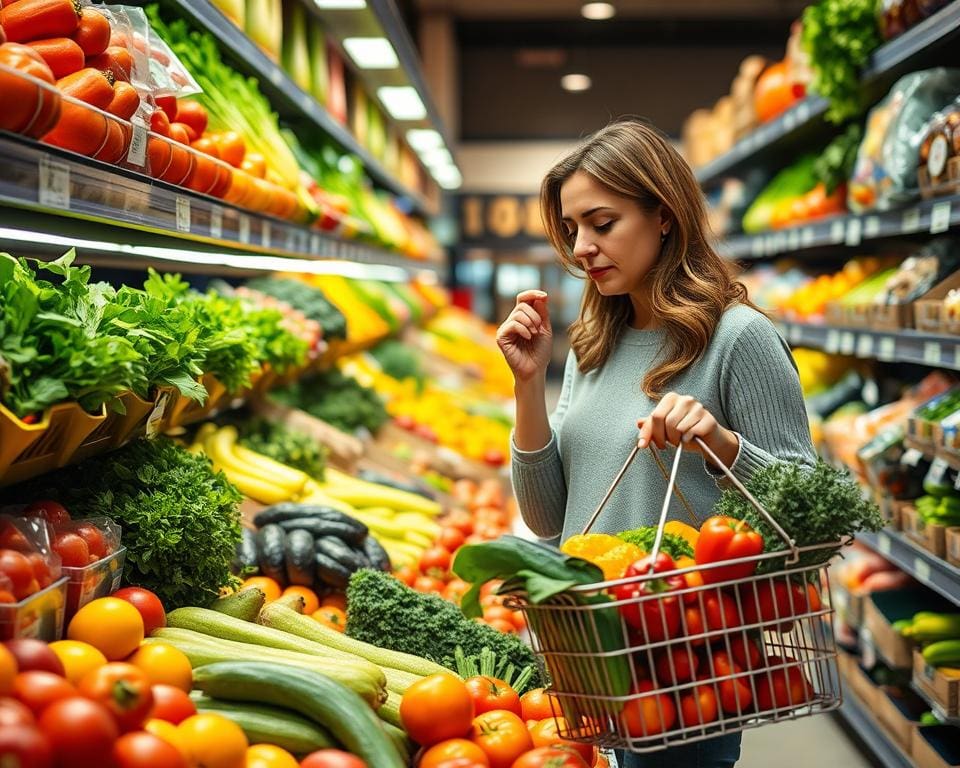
[(945, 653), (927, 627)]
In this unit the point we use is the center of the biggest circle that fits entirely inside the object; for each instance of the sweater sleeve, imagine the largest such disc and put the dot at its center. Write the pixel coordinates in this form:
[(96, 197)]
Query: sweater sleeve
[(763, 402), (538, 480)]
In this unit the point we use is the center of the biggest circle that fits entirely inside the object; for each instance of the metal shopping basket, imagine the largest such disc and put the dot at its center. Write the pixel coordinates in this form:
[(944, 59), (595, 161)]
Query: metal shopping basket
[(746, 652)]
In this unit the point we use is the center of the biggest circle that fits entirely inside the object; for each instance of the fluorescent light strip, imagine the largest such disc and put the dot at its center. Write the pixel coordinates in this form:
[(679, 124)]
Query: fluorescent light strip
[(341, 5), (371, 52), (424, 139), (437, 157), (598, 11), (402, 102)]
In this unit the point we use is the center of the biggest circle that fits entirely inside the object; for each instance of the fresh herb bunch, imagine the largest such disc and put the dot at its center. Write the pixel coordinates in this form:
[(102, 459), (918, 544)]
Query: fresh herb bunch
[(275, 343), (179, 518), (53, 343), (337, 399), (673, 545), (815, 505), (283, 444), (840, 35), (835, 164)]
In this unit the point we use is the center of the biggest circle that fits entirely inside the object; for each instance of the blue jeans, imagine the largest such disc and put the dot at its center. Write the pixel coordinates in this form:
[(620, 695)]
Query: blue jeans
[(721, 752)]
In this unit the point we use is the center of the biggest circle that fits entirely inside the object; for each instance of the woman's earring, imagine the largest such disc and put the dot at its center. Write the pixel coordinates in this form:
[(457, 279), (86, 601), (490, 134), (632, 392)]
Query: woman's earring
[(663, 237)]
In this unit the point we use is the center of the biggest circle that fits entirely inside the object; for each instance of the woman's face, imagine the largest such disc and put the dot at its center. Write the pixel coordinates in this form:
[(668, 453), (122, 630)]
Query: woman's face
[(614, 241)]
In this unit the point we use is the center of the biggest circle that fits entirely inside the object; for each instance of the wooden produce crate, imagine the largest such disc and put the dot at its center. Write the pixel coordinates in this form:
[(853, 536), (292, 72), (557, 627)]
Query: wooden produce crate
[(936, 746), (899, 713), (881, 610), (929, 312), (932, 538), (953, 546), (941, 688)]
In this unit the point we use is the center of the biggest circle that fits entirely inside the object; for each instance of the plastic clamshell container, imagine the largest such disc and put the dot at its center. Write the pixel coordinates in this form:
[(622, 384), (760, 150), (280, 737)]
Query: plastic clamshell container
[(99, 579), (41, 615)]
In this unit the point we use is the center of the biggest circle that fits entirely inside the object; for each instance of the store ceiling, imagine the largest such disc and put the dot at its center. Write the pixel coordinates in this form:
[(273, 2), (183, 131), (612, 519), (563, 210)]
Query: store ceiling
[(657, 58)]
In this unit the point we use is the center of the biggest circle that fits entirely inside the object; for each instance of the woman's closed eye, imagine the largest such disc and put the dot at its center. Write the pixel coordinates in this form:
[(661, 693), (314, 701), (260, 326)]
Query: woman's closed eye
[(603, 228)]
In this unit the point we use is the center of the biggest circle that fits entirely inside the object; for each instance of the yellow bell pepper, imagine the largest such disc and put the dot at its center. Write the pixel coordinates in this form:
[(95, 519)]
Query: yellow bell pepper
[(614, 562), (589, 546), (686, 532)]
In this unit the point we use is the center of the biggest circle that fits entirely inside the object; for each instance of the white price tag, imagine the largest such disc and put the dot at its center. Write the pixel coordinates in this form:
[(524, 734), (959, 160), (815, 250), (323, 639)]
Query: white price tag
[(921, 569), (265, 234), (156, 416), (243, 228), (793, 239), (290, 239), (911, 458), (216, 222), (940, 218), (183, 214), (53, 184), (276, 76), (854, 231), (837, 230), (138, 144), (314, 244), (832, 344), (865, 345), (756, 247), (887, 349), (770, 245), (807, 237), (910, 221), (883, 544), (871, 227), (868, 649), (931, 353), (848, 343)]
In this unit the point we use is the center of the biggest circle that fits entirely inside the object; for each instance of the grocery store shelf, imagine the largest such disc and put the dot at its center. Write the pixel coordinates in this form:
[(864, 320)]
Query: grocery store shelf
[(928, 217), (802, 122), (285, 95), (904, 346), (935, 707), (873, 737), (925, 567), (48, 181)]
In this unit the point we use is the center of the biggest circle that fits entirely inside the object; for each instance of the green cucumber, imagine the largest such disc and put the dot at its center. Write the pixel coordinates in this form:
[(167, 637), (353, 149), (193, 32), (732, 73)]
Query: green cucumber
[(318, 697), (401, 741), (270, 725), (243, 605)]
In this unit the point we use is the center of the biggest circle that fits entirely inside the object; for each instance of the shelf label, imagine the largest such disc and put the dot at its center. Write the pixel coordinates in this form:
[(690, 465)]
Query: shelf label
[(940, 218), (803, 112), (265, 234), (756, 247), (216, 222), (291, 239), (138, 144), (793, 239), (854, 231), (911, 457), (848, 343), (243, 228), (931, 353), (883, 542), (807, 237), (887, 349), (276, 76), (314, 244), (871, 227), (921, 569), (832, 344), (156, 416), (183, 214), (789, 121), (868, 648), (910, 221), (53, 184), (865, 345), (837, 230)]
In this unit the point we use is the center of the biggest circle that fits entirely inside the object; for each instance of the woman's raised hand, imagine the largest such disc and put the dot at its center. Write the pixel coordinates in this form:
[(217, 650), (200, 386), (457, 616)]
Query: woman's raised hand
[(525, 338)]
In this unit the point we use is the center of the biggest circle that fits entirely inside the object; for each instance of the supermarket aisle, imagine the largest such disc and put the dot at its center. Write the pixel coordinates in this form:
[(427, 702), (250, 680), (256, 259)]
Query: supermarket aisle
[(811, 741)]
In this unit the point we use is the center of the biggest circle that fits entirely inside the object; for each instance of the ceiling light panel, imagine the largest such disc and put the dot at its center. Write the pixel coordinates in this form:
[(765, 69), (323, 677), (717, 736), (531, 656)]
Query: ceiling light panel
[(598, 11), (402, 102), (371, 52), (424, 139), (576, 82)]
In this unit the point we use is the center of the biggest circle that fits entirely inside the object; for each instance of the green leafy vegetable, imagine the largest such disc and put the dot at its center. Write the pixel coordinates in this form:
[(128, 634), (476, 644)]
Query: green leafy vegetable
[(283, 444), (399, 361), (673, 545), (336, 399), (308, 300), (835, 164), (486, 663)]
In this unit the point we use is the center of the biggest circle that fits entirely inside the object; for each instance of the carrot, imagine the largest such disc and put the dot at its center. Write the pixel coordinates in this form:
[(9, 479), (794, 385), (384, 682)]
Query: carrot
[(93, 33), (89, 85), (28, 20), (63, 55), (125, 100), (193, 114), (115, 60), (79, 129), (116, 143), (25, 107), (158, 156)]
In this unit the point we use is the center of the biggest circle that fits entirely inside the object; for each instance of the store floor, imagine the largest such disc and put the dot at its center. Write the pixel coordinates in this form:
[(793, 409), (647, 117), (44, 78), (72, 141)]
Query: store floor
[(804, 743)]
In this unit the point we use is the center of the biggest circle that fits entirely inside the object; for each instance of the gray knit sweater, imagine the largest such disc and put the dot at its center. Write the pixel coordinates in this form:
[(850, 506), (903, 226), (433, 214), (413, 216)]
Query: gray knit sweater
[(746, 378)]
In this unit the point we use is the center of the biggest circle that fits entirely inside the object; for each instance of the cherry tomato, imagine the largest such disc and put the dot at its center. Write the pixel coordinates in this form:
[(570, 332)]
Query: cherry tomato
[(73, 550), (461, 520), (332, 758), (435, 561), (428, 696), (8, 671), (455, 590), (502, 625), (38, 689), (502, 735), (698, 706), (453, 749), (546, 733), (675, 665), (16, 567), (11, 537), (429, 584), (171, 704), (96, 541), (537, 704), (13, 712), (81, 732), (489, 693), (650, 713), (144, 750), (551, 757), (123, 689), (164, 664), (26, 746), (406, 574), (451, 538), (332, 617), (148, 604), (52, 511), (41, 569), (500, 612)]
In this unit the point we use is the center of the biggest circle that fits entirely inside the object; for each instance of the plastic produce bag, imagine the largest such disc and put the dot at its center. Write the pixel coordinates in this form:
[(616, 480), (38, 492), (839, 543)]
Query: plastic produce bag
[(885, 172)]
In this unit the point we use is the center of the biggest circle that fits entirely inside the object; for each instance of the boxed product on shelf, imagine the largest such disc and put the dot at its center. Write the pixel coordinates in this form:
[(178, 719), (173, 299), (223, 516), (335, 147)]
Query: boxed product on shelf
[(938, 167), (930, 536), (941, 688), (923, 425), (936, 746), (41, 615), (953, 546), (930, 312), (899, 711)]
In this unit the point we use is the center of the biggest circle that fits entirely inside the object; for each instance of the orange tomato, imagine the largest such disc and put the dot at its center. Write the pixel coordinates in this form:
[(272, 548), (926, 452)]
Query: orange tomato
[(452, 749), (335, 600), (698, 705), (77, 658), (649, 714), (428, 696), (538, 705), (774, 92), (311, 603), (109, 624), (332, 617), (269, 756), (498, 612), (213, 741), (502, 625), (255, 165), (406, 574), (204, 173), (232, 147), (546, 733), (8, 671), (180, 165), (268, 586), (502, 735), (164, 664)]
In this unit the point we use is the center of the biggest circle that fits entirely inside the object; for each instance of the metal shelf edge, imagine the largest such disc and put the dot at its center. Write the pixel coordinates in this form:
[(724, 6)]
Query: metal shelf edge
[(935, 573)]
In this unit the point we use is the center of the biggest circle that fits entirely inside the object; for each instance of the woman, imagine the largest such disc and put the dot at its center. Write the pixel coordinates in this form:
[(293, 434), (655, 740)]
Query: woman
[(664, 334)]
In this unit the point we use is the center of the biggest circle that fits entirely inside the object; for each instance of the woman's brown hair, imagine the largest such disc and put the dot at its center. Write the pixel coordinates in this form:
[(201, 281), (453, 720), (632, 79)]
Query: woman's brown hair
[(690, 285)]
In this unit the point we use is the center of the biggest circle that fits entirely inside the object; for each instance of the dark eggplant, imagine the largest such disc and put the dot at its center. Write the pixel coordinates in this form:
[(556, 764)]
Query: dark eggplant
[(271, 543), (289, 510), (354, 534), (299, 558), (376, 554), (330, 572), (246, 560), (340, 551)]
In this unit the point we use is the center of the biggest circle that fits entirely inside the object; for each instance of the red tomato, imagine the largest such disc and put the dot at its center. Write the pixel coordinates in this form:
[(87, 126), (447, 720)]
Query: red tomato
[(435, 561), (73, 550), (406, 574), (81, 732), (693, 624), (746, 651), (649, 714), (460, 520), (33, 654), (537, 704), (123, 689), (447, 752), (148, 604), (502, 735), (769, 601), (735, 694), (13, 713), (38, 689), (455, 590), (429, 584), (546, 733), (551, 757), (96, 541), (489, 693), (678, 664), (171, 704), (11, 537), (720, 611), (144, 750), (502, 625), (698, 706), (451, 538), (428, 696), (15, 566), (783, 688), (52, 511), (41, 569), (26, 746), (331, 758)]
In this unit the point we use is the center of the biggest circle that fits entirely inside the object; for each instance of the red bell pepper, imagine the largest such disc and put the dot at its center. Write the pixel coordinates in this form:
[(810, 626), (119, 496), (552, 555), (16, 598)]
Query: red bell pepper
[(726, 538), (659, 616)]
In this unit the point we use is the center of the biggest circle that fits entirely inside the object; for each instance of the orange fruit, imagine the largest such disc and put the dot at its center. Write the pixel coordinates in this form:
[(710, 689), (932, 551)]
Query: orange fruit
[(310, 600), (268, 586)]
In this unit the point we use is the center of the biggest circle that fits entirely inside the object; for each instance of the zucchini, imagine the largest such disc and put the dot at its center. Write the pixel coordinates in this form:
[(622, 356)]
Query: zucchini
[(247, 559), (293, 602), (376, 554), (270, 725), (271, 540), (318, 697), (400, 740), (289, 510), (244, 605), (336, 549), (330, 572), (318, 526), (389, 711), (200, 650), (298, 557)]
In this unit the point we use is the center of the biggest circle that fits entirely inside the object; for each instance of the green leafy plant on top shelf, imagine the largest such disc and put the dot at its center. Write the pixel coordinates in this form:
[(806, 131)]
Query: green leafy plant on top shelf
[(840, 35)]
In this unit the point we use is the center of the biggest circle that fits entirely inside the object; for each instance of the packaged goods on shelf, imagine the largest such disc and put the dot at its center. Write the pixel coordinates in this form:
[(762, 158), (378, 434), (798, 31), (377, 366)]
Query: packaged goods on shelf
[(938, 167)]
